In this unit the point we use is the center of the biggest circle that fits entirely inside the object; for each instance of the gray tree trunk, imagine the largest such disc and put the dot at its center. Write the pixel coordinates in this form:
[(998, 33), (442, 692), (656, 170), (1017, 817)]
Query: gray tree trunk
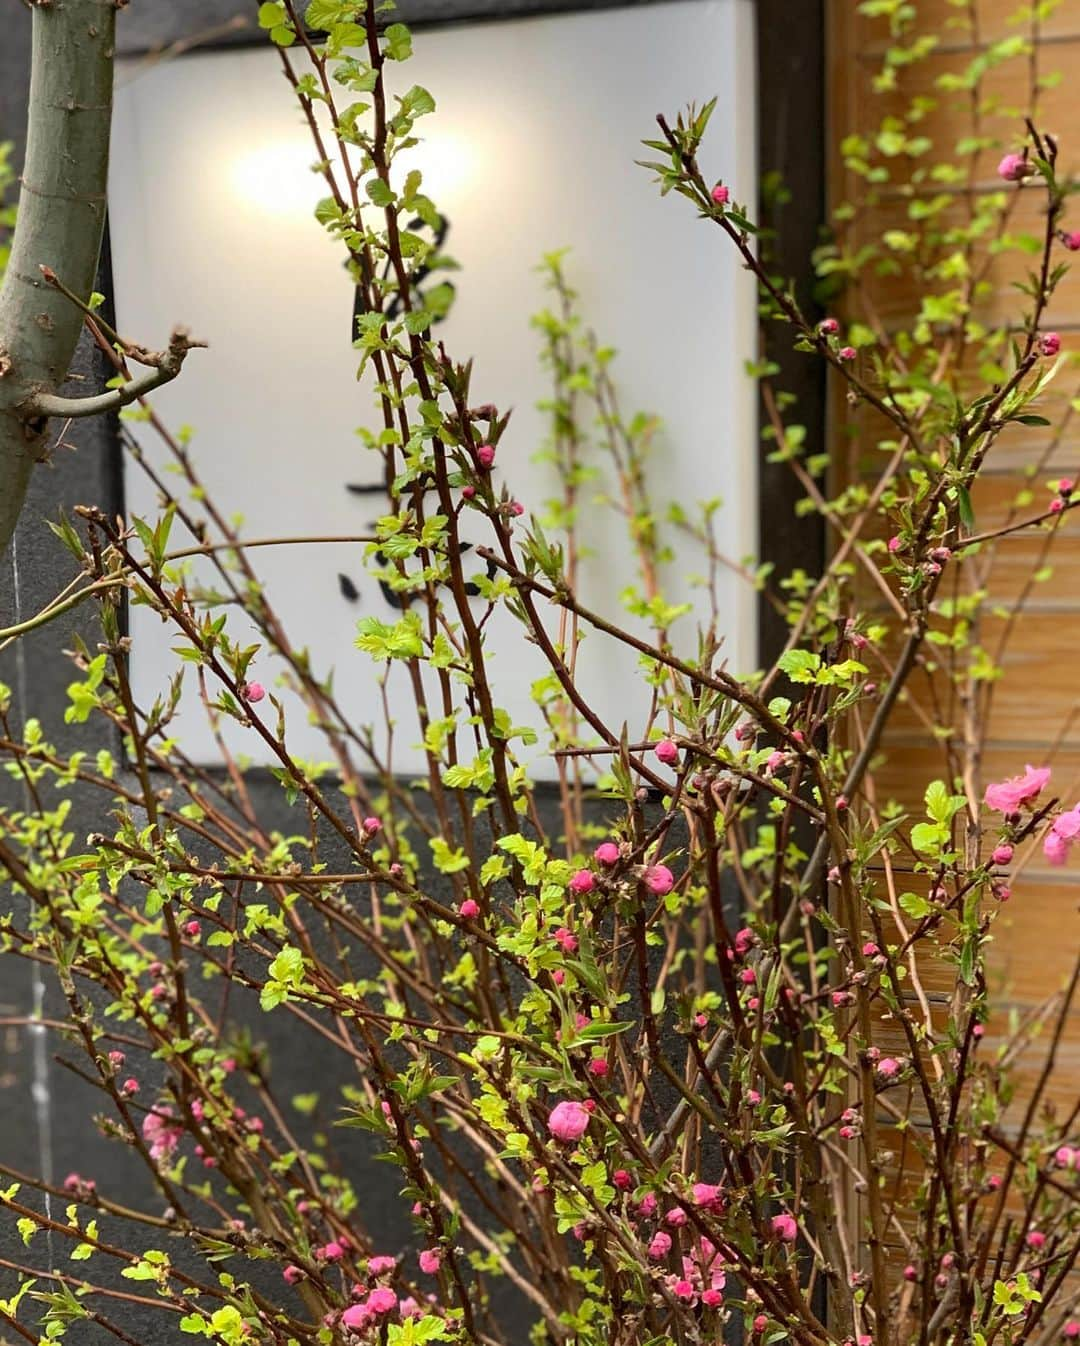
[(60, 221)]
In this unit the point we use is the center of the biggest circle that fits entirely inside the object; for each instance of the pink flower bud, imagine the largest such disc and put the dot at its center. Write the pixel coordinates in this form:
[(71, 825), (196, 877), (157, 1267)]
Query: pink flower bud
[(621, 1179), (1014, 167), (910, 1274), (1072, 241), (1071, 1330), (558, 976), (582, 881), (720, 194), (292, 1274), (1056, 505), (667, 752), (828, 327), (607, 853), (659, 880), (253, 691), (760, 1323), (712, 1299), (676, 1217), (1049, 344), (568, 1121), (598, 1067), (372, 826), (1036, 1239), (469, 909), (130, 1088), (485, 455), (785, 1227), (430, 1261), (847, 352), (516, 508), (1065, 485), (748, 976), (888, 1068), (870, 949), (116, 1060), (468, 492), (660, 1246), (381, 1300), (192, 929), (707, 1196), (894, 544)]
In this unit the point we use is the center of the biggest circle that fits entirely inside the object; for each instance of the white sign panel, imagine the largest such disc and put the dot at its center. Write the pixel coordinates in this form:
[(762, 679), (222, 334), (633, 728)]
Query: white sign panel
[(532, 148)]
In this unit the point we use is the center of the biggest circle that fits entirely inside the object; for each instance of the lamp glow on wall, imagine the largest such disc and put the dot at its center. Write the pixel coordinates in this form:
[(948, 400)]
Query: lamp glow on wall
[(532, 148)]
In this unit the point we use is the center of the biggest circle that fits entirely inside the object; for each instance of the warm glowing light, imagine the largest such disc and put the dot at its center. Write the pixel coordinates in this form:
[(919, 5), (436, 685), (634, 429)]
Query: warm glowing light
[(278, 177)]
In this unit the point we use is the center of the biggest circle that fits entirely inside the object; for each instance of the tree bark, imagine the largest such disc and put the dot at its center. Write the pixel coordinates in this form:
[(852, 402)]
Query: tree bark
[(60, 221)]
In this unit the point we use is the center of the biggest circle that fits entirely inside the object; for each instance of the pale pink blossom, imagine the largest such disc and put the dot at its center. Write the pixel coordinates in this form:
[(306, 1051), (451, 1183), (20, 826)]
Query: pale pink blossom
[(1009, 796)]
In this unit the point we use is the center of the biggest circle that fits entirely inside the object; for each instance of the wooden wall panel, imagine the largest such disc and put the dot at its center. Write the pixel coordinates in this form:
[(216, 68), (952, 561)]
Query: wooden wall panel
[(1035, 707)]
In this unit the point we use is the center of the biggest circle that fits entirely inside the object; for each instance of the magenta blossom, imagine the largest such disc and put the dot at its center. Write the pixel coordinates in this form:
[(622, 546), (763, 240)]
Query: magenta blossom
[(253, 691), (568, 1121), (381, 1300), (582, 881), (1011, 795), (785, 1227), (660, 1246), (607, 853)]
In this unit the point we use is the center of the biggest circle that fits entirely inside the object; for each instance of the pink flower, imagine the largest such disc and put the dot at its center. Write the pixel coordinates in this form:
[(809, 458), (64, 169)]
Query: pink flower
[(568, 1121), (888, 1068), (565, 940), (116, 1060), (430, 1261), (745, 940), (870, 949), (647, 1205), (828, 327), (1071, 1330), (485, 455), (558, 976), (676, 1217), (720, 194), (252, 692), (356, 1316), (659, 880), (1011, 795), (621, 1179), (582, 881), (847, 352), (292, 1274), (372, 826), (684, 1290), (1055, 848), (162, 1132), (774, 761), (598, 1067), (1049, 344), (1014, 167), (760, 1323), (130, 1088), (1036, 1239), (707, 1196), (1065, 1157), (1002, 854), (1072, 241), (333, 1251), (607, 853), (516, 508), (409, 1308), (667, 752), (660, 1246), (468, 492), (469, 909), (894, 544), (192, 929), (381, 1300), (712, 1299), (785, 1227)]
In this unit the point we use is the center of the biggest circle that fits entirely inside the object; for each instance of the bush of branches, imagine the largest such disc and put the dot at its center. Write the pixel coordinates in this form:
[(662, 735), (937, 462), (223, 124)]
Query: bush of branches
[(624, 1053)]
